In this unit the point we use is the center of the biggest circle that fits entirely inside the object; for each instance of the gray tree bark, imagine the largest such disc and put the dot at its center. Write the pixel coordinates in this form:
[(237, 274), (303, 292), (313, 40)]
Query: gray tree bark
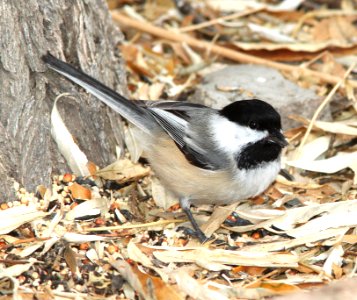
[(80, 32)]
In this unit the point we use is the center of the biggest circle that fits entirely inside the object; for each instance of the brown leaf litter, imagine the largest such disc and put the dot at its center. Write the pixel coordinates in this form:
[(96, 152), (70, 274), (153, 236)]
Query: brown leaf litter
[(115, 233)]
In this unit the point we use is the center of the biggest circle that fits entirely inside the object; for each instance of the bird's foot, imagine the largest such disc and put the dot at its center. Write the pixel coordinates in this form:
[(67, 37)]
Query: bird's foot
[(194, 233)]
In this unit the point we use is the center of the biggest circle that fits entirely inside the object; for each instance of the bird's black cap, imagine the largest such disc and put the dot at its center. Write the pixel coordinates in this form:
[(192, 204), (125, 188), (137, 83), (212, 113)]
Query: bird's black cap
[(256, 114)]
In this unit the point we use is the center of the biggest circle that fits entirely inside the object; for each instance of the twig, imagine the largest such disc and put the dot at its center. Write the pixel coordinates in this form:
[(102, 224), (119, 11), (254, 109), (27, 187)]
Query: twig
[(314, 59), (18, 262), (323, 104), (226, 52), (217, 20), (24, 241), (130, 226)]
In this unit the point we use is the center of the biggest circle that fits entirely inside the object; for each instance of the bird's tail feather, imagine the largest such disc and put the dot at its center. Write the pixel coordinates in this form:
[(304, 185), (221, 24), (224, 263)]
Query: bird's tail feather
[(135, 114)]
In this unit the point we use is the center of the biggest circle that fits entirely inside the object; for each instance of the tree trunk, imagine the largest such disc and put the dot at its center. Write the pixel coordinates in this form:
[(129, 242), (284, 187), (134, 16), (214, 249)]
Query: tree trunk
[(80, 32)]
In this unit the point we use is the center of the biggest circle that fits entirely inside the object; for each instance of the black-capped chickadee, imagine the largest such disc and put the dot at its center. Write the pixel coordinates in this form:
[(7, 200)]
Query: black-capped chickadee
[(202, 155)]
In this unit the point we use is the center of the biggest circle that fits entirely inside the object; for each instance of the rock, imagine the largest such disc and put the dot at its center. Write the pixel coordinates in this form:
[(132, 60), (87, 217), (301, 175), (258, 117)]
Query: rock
[(251, 81)]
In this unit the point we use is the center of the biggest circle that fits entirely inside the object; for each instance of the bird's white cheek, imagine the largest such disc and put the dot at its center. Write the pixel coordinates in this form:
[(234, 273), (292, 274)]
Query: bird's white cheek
[(231, 137)]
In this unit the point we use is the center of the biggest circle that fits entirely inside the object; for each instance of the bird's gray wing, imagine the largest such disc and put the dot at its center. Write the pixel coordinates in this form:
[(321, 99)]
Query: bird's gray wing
[(178, 108), (176, 118)]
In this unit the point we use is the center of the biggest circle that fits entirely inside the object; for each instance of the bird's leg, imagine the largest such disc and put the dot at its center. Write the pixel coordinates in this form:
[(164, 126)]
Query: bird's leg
[(185, 205)]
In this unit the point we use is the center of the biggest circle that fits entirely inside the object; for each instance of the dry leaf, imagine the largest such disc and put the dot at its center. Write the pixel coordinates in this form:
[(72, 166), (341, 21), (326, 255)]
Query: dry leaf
[(94, 208), (149, 287), (193, 288), (16, 270), (123, 170), (254, 271), (330, 65), (31, 249), (156, 90), (346, 127), (336, 127), (330, 165), (234, 5), (71, 260), (137, 255), (295, 47), (205, 257), (271, 34), (302, 240), (314, 149), (14, 217), (350, 238), (72, 237), (219, 215), (128, 51), (331, 219), (334, 258), (300, 215), (276, 287), (92, 255), (92, 167), (301, 185), (248, 212), (162, 197), (80, 192), (301, 278), (132, 143), (337, 29), (75, 158)]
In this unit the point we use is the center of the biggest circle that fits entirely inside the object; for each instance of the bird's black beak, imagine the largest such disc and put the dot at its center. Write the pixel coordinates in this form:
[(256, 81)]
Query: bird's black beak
[(278, 138)]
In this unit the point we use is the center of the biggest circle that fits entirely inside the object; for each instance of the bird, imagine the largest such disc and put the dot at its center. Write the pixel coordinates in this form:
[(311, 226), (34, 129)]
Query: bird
[(200, 154)]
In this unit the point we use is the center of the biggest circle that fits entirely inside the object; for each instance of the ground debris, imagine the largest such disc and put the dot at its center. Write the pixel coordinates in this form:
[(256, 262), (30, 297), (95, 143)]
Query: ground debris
[(107, 235)]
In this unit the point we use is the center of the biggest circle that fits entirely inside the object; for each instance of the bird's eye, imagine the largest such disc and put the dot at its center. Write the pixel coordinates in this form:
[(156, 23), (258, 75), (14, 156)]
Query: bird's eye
[(253, 125)]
